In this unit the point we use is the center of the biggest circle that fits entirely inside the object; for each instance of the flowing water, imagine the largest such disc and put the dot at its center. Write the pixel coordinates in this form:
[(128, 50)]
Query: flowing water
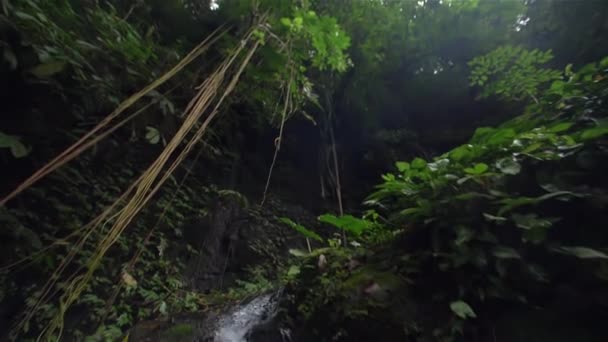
[(236, 324), (252, 321)]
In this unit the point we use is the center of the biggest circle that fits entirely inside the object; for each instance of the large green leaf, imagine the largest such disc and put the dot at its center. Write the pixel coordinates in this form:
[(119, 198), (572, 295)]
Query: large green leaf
[(478, 169), (462, 309), (301, 229), (402, 166), (583, 252), (349, 223), (509, 204), (48, 69), (501, 137), (594, 133), (560, 127), (459, 153), (418, 163)]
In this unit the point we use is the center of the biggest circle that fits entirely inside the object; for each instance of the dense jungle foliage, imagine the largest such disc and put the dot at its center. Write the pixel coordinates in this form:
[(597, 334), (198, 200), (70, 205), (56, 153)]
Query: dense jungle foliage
[(400, 170)]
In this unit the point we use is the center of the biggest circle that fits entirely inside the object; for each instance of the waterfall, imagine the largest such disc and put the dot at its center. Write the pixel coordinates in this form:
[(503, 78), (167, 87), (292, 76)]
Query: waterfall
[(236, 324)]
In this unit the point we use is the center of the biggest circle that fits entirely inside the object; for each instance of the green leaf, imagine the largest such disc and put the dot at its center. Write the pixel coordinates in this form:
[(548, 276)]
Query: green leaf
[(301, 229), (402, 166), (439, 164), (162, 309), (530, 221), (6, 140), (560, 127), (297, 253), (512, 203), (502, 252), (259, 35), (418, 163), (18, 150), (461, 152), (478, 169), (349, 223), (594, 133), (493, 218), (501, 137), (293, 271), (410, 211), (557, 87), (472, 194), (462, 309), (286, 22), (583, 252), (508, 166), (25, 16), (464, 235), (535, 235), (298, 21), (48, 69), (152, 135), (532, 147), (482, 133), (463, 180), (10, 58)]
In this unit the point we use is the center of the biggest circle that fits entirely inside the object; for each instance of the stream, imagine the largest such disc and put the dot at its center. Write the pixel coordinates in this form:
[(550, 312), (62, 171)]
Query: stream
[(251, 321), (237, 324)]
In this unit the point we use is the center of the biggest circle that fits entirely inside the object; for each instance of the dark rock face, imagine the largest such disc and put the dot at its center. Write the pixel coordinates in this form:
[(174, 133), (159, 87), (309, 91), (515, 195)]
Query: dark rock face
[(189, 328), (213, 237), (269, 332), (232, 238)]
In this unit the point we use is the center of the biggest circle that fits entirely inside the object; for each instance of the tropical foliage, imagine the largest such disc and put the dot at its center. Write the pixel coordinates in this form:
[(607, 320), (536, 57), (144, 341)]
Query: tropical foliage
[(512, 72), (497, 213), (489, 115)]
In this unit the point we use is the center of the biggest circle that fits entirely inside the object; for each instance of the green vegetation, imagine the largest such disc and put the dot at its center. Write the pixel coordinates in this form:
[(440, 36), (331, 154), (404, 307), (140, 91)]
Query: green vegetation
[(428, 170), (493, 215), (511, 73)]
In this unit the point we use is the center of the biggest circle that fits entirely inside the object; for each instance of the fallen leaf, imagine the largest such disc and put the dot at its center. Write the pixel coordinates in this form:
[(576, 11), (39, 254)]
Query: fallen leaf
[(128, 279)]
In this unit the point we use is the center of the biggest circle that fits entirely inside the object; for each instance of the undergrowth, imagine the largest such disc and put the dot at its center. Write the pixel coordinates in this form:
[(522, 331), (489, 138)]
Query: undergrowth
[(491, 224)]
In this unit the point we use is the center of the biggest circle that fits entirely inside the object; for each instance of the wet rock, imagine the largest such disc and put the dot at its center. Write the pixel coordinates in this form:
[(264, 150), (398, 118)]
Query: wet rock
[(188, 328), (233, 238), (237, 324)]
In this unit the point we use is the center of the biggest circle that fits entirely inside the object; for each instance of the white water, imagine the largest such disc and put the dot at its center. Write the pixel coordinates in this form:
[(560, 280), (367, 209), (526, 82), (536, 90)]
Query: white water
[(236, 324)]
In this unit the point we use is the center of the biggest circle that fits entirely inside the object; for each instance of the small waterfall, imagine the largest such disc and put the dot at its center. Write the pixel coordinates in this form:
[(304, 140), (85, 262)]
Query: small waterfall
[(235, 325)]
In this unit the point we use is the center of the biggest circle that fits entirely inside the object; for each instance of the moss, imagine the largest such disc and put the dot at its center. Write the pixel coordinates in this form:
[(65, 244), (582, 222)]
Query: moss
[(178, 332), (367, 274)]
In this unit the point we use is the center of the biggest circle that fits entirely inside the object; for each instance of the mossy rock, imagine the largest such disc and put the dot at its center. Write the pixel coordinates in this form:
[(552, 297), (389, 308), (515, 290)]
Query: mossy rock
[(179, 332), (188, 329), (335, 299)]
